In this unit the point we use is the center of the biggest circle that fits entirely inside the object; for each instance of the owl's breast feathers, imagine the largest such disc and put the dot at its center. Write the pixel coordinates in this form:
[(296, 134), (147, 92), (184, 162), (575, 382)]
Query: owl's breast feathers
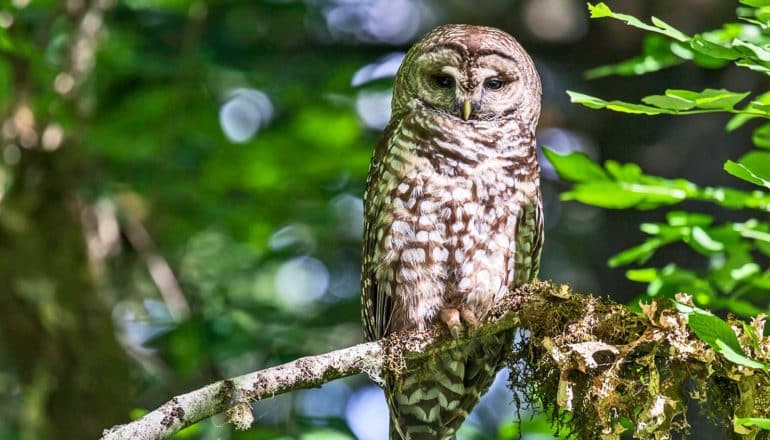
[(453, 218)]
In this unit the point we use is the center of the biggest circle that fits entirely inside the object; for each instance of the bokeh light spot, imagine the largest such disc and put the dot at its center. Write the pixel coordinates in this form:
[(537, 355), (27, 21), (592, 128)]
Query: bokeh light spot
[(301, 280), (373, 107), (367, 414), (244, 113), (385, 67), (556, 20), (349, 213), (376, 21)]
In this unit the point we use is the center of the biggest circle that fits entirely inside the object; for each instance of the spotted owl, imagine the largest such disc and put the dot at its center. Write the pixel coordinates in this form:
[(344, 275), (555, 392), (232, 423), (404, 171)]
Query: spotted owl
[(453, 215)]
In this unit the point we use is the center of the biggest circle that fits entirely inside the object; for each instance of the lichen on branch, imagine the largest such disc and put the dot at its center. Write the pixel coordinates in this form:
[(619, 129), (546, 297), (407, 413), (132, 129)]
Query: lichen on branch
[(598, 368)]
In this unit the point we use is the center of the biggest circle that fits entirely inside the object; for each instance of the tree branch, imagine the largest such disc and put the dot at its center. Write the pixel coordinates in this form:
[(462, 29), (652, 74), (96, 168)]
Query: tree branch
[(595, 359), (306, 372), (389, 354)]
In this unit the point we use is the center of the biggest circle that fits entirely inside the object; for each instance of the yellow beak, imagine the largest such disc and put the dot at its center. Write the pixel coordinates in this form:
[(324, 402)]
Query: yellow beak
[(466, 109)]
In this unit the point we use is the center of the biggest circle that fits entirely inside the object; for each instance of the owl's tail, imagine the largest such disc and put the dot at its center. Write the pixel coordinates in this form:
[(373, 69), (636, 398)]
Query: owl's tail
[(433, 402)]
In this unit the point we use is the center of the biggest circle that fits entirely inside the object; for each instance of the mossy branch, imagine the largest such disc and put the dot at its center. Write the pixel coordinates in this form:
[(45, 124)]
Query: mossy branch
[(599, 368)]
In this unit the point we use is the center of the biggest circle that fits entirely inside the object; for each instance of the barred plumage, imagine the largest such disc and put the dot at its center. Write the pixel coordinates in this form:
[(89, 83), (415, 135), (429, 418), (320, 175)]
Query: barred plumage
[(453, 215)]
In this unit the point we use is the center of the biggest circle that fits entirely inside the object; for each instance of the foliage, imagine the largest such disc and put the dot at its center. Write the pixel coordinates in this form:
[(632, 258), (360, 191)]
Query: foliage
[(117, 181), (732, 276)]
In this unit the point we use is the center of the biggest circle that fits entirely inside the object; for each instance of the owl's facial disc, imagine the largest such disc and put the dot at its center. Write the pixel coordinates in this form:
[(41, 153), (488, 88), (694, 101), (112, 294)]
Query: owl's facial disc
[(474, 86)]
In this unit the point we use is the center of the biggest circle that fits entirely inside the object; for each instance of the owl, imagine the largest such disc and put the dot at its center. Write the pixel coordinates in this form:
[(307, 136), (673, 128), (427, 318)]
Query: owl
[(453, 215)]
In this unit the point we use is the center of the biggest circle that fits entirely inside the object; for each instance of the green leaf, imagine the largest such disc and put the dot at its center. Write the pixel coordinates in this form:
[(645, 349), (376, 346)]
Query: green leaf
[(637, 254), (646, 275), (650, 228), (586, 100), (745, 271), (673, 102), (738, 120), (720, 336), (751, 169), (575, 166), (763, 247), (760, 53), (740, 307), (705, 242), (658, 190), (741, 172), (712, 49), (752, 65), (763, 15), (724, 271), (737, 356), (710, 98), (604, 194), (755, 3), (758, 162), (669, 30), (656, 54), (761, 136), (601, 10), (749, 232), (669, 102), (672, 280), (684, 218), (752, 421), (629, 172), (627, 107), (719, 99)]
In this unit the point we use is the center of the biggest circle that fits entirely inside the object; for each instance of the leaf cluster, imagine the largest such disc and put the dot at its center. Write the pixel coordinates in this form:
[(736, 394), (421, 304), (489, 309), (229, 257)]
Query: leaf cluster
[(733, 253)]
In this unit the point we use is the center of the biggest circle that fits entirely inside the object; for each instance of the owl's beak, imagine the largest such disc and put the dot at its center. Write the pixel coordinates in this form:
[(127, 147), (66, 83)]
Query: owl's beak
[(466, 109)]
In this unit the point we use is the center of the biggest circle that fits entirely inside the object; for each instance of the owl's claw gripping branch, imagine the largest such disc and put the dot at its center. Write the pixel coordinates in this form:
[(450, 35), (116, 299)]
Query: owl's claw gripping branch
[(451, 317), (459, 320), (469, 318)]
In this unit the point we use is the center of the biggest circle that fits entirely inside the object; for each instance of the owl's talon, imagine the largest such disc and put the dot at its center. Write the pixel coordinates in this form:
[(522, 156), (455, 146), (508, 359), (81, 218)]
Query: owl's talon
[(469, 318), (451, 317)]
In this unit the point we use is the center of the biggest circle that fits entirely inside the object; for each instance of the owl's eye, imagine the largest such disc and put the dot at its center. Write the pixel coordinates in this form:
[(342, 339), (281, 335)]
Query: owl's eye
[(443, 81), (493, 83)]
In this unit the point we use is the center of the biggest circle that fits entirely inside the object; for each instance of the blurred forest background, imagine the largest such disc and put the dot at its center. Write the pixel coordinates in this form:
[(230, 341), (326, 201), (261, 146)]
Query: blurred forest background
[(181, 182)]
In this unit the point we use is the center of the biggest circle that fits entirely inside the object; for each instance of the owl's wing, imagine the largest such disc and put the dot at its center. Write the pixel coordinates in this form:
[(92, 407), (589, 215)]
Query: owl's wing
[(529, 242), (376, 307), (537, 245)]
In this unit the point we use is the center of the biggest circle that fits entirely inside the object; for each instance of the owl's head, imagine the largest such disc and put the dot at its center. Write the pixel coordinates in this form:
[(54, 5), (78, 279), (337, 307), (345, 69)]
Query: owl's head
[(469, 72)]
